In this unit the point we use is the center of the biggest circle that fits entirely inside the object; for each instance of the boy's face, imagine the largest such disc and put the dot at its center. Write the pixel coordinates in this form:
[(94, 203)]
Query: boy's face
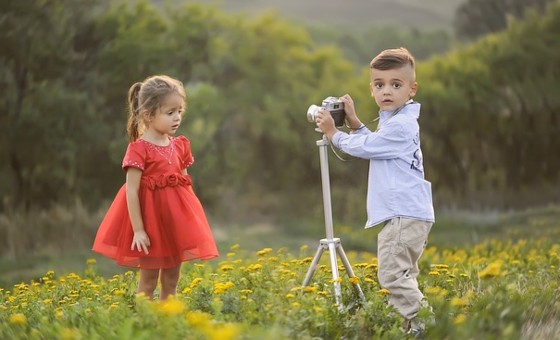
[(392, 88)]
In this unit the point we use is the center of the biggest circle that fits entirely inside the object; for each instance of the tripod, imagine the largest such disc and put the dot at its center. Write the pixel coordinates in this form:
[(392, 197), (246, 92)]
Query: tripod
[(333, 245)]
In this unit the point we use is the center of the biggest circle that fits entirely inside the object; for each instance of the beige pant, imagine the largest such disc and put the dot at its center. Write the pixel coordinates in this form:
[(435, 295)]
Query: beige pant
[(399, 246)]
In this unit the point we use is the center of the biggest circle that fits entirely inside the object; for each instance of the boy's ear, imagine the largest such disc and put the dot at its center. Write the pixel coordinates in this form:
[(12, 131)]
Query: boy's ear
[(413, 89)]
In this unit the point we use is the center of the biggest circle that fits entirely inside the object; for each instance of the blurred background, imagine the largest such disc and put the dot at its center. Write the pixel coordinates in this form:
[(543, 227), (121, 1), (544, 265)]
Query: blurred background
[(488, 73)]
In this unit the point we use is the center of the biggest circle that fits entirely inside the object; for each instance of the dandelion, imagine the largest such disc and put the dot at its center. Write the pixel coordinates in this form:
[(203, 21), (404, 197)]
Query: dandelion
[(226, 268), (264, 251), (171, 307), (493, 269), (18, 319), (234, 247), (354, 280), (254, 267), (309, 289), (59, 314), (195, 282), (295, 304), (459, 319), (231, 254), (198, 319), (70, 334), (91, 262), (225, 332), (383, 292), (459, 302), (290, 296)]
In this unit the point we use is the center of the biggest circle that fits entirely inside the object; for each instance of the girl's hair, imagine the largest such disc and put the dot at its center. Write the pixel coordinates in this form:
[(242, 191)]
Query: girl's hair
[(146, 96), (392, 59)]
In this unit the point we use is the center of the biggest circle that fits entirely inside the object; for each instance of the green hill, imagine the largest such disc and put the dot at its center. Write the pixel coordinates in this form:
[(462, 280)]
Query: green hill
[(357, 14)]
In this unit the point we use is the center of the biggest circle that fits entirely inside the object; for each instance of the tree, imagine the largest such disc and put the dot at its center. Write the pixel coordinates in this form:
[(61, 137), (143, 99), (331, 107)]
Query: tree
[(479, 17)]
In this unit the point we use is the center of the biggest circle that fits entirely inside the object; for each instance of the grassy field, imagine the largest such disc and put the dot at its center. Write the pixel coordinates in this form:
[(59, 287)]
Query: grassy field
[(453, 229), (506, 288)]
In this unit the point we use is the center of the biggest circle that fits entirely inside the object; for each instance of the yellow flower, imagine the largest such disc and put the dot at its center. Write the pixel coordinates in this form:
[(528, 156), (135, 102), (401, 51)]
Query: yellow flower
[(171, 306), (290, 296), (59, 314), (70, 334), (254, 267), (355, 280), (198, 319), (18, 319), (195, 282), (234, 247), (227, 331), (459, 319), (383, 292), (231, 254), (338, 279), (91, 261), (264, 251), (309, 289), (459, 302), (295, 304), (493, 269), (226, 268)]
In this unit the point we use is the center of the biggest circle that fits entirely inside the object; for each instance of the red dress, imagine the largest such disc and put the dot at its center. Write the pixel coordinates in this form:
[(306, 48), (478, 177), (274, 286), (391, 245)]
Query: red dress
[(172, 214)]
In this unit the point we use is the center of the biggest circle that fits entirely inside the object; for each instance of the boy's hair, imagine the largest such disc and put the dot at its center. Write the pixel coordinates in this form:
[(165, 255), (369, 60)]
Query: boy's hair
[(147, 95), (392, 58)]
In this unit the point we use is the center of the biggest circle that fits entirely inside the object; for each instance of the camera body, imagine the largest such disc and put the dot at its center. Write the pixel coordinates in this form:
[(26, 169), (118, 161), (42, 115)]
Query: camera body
[(331, 104)]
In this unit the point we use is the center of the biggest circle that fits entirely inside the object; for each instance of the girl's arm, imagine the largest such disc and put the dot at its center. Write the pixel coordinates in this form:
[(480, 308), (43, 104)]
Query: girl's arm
[(140, 240)]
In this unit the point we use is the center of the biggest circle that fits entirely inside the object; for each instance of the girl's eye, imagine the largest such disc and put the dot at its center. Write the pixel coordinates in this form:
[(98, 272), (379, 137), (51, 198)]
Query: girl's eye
[(397, 86), (378, 86)]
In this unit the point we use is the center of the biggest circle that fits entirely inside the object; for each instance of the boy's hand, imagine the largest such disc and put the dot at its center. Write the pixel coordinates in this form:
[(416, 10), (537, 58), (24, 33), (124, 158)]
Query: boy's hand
[(325, 122), (140, 241), (350, 110)]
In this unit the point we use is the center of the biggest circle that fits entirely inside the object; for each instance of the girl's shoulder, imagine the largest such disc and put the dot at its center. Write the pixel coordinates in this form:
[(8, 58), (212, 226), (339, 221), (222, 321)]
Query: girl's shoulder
[(181, 139)]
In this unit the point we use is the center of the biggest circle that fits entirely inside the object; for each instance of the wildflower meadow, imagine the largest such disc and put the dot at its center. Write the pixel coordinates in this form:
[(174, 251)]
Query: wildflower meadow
[(492, 290)]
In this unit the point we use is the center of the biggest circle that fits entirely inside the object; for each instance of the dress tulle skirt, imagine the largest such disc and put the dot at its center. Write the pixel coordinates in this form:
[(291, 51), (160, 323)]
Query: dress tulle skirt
[(174, 221)]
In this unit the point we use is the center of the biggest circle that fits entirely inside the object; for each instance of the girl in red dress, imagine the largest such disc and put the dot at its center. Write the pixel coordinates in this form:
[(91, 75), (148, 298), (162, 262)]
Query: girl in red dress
[(156, 221)]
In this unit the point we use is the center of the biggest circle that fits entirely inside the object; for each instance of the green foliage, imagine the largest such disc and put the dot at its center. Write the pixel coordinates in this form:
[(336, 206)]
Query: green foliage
[(489, 117)]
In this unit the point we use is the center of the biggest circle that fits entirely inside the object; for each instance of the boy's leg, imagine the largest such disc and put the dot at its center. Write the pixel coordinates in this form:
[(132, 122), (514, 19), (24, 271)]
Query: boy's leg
[(169, 280), (148, 282), (400, 245)]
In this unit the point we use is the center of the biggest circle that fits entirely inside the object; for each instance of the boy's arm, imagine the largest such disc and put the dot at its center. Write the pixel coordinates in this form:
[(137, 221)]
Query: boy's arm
[(387, 143)]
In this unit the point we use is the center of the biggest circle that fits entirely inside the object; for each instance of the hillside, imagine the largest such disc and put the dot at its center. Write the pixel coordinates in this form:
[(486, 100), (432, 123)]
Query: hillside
[(357, 14)]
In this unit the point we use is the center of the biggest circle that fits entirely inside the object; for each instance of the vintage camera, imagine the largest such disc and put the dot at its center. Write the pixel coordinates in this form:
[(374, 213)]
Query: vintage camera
[(331, 104)]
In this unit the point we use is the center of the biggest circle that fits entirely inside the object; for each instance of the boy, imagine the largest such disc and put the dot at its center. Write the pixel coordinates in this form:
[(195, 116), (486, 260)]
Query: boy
[(398, 196)]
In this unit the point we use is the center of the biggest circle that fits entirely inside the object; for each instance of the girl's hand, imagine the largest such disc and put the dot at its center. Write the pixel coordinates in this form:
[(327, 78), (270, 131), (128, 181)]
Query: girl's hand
[(141, 241)]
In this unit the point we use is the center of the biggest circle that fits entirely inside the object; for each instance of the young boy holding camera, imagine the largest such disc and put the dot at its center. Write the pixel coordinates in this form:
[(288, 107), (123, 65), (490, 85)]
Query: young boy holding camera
[(398, 195)]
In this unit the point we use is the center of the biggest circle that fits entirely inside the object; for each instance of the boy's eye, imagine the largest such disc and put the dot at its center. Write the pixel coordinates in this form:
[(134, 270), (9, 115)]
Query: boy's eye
[(378, 85), (397, 85)]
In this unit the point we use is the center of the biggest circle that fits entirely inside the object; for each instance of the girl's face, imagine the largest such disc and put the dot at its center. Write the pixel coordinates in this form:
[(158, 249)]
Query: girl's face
[(392, 88), (167, 118)]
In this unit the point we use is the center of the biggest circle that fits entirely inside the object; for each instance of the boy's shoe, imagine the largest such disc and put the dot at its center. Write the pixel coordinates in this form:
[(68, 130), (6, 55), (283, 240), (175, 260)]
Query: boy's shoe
[(413, 327)]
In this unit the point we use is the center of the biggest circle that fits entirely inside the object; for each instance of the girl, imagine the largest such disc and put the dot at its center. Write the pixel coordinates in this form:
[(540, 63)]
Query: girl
[(155, 221)]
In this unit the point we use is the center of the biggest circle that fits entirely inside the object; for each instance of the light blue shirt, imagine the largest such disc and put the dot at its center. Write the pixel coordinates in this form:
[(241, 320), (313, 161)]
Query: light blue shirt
[(396, 184)]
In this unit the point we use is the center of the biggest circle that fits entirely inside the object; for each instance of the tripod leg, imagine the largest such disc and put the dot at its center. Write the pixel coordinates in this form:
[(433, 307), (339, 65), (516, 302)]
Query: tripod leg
[(349, 270), (335, 276), (313, 265)]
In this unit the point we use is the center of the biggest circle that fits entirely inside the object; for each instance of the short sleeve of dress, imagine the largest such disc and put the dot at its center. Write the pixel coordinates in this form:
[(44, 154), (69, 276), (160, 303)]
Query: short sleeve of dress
[(135, 156), (186, 155)]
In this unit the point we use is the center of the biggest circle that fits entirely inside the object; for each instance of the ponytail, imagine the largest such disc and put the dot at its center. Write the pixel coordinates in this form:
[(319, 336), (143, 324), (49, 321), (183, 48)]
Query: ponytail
[(132, 126)]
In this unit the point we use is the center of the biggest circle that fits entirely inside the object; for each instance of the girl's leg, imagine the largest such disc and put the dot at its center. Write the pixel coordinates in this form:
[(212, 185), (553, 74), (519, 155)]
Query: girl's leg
[(148, 282), (169, 279)]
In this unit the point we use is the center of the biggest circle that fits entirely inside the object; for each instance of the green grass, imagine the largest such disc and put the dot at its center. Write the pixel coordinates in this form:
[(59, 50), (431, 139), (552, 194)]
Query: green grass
[(452, 229)]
